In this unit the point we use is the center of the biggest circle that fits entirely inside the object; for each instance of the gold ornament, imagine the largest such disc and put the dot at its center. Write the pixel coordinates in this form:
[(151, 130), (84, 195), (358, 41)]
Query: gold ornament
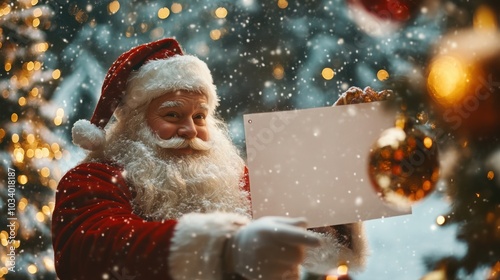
[(403, 165)]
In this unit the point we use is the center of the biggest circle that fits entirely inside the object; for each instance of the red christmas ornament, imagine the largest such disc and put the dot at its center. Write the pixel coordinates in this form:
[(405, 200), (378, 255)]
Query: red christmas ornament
[(394, 10)]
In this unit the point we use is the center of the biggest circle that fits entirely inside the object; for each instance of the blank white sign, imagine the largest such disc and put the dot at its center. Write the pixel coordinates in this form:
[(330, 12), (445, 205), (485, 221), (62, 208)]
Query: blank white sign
[(313, 163)]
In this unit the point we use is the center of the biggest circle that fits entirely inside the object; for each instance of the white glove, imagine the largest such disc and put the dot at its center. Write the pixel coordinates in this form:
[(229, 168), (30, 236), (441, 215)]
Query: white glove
[(269, 248)]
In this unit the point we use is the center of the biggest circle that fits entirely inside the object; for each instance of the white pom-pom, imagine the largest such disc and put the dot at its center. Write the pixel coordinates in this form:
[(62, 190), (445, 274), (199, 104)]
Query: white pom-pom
[(87, 135)]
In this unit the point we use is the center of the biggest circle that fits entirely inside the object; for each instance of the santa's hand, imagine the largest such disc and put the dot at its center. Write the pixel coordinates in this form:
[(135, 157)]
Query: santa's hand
[(269, 248)]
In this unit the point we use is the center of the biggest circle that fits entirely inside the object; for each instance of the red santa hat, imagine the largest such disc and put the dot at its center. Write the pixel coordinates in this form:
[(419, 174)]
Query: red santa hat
[(137, 77)]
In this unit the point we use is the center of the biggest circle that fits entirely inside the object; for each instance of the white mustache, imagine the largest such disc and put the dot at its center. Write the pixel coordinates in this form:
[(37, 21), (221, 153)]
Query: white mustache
[(179, 143)]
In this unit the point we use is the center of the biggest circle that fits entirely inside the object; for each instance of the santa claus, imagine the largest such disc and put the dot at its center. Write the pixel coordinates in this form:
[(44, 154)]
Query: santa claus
[(163, 192)]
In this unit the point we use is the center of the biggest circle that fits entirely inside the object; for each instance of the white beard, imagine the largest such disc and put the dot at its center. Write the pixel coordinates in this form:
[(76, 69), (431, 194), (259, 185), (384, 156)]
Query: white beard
[(166, 186)]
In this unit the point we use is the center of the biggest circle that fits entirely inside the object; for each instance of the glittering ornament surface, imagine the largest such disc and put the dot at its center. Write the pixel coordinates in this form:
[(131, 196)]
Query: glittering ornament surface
[(403, 166)]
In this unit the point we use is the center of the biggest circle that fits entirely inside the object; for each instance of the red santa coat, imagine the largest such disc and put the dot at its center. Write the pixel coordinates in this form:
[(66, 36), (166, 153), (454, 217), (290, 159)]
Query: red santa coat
[(97, 235)]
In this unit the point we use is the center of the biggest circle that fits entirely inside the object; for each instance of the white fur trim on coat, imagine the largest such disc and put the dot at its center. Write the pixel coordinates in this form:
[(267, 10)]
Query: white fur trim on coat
[(331, 253), (180, 72), (198, 244), (87, 135)]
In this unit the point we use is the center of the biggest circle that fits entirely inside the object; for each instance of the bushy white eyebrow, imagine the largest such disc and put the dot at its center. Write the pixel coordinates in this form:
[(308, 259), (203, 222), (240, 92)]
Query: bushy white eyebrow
[(204, 106), (173, 104)]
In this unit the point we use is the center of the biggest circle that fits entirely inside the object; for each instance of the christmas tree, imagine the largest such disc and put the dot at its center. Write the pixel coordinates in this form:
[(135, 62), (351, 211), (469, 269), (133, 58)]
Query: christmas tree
[(32, 150), (440, 58)]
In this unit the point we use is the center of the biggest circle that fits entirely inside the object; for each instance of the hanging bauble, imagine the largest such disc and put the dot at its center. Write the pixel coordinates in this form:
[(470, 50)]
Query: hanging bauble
[(396, 10), (463, 79), (403, 166), (382, 17)]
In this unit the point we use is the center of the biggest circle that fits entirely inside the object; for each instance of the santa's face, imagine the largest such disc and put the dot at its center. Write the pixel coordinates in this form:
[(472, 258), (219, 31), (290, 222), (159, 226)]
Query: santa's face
[(169, 182), (179, 114)]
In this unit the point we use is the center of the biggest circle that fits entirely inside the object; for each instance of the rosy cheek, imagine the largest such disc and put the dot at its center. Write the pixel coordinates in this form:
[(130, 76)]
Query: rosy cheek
[(203, 134), (163, 129), (166, 131)]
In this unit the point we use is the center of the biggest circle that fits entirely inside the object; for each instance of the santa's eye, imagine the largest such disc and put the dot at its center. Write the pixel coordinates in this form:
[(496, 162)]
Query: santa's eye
[(200, 116), (172, 115), (199, 119)]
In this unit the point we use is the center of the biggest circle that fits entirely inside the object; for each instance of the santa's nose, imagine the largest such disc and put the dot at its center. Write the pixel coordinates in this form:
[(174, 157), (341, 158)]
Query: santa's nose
[(187, 130)]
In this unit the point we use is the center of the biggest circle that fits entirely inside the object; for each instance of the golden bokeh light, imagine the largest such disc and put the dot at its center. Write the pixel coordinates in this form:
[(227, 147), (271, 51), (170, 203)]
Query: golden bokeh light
[(40, 217), (32, 269), (282, 4), (49, 263), (37, 12), (7, 66), (113, 7), (41, 47), (52, 204), (215, 34), (382, 75), (490, 175), (45, 152), (55, 147), (30, 138), (37, 66), (22, 179), (15, 138), (5, 10), (53, 184), (46, 210), (23, 81), (30, 153), (36, 22), (485, 19), (278, 72), (57, 121), (447, 80), (328, 73), (45, 172), (14, 117), (342, 269), (30, 66), (59, 117), (58, 155), (163, 13), (221, 12), (38, 153), (34, 92), (56, 74), (21, 101), (3, 236), (22, 204), (176, 8), (428, 142)]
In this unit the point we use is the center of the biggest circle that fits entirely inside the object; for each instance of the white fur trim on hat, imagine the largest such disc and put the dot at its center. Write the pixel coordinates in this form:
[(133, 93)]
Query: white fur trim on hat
[(88, 136), (198, 243), (180, 72)]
